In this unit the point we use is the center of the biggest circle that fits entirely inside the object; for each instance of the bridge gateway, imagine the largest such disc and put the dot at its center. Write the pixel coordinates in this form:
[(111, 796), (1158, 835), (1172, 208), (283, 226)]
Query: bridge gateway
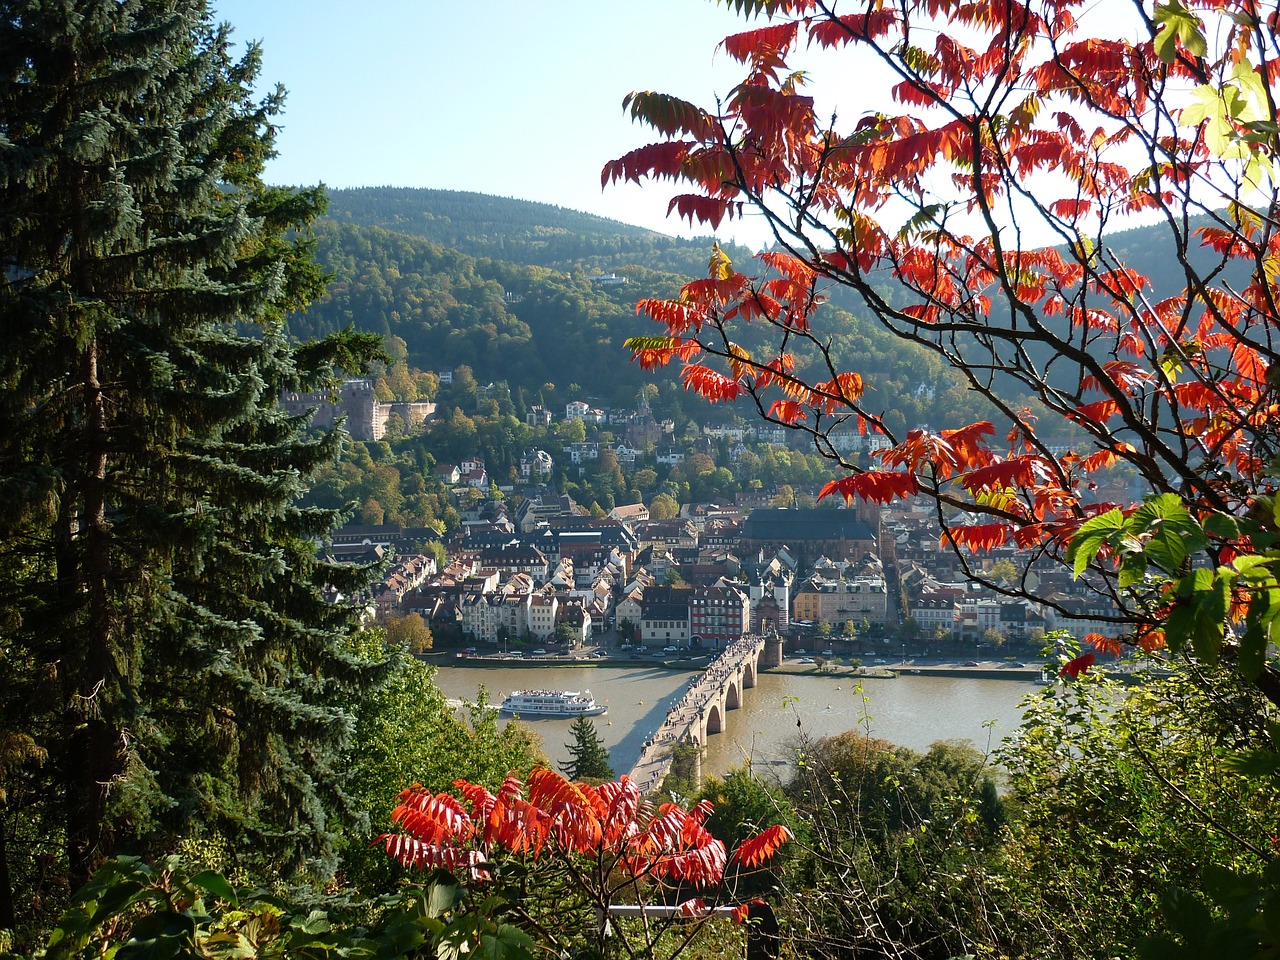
[(702, 710)]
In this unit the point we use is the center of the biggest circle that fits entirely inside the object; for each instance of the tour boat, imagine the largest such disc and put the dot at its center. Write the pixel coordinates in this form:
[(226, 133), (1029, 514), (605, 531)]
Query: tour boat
[(552, 703)]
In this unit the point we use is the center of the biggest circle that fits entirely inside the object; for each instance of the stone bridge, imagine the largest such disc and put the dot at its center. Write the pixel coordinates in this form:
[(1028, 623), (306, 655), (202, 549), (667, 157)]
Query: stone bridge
[(703, 709)]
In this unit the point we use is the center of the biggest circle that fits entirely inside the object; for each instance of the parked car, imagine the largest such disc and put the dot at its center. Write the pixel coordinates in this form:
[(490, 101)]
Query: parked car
[(972, 663), (671, 649), (539, 652), (805, 660), (828, 653)]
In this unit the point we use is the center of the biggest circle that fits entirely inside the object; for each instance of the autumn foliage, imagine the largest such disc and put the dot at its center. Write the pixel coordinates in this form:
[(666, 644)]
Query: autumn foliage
[(550, 818), (1007, 144)]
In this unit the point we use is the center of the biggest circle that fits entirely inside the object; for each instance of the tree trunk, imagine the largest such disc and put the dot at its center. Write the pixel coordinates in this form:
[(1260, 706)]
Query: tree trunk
[(94, 760), (6, 884)]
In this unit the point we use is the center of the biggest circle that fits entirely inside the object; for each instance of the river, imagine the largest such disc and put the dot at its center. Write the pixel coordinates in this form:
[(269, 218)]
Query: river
[(913, 711)]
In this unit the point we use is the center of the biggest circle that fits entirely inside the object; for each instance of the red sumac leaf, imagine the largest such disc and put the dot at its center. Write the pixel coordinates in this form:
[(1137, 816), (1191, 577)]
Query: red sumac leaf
[(1074, 668), (878, 486), (756, 850)]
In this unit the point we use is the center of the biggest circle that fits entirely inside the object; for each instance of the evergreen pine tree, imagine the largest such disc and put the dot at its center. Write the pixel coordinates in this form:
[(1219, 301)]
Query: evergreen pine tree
[(589, 760), (171, 663)]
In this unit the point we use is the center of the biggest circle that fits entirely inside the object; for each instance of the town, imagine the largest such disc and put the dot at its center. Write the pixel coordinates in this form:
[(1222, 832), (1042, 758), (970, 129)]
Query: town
[(528, 568)]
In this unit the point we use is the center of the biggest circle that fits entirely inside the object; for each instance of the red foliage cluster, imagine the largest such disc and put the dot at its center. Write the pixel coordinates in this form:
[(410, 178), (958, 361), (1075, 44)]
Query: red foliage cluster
[(550, 816)]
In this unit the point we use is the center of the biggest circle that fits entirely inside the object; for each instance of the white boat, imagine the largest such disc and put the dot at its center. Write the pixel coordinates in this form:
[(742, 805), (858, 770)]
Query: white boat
[(552, 703)]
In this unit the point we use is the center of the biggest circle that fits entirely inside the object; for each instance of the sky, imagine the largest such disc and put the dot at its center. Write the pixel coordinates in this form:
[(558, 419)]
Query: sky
[(523, 99), (504, 97)]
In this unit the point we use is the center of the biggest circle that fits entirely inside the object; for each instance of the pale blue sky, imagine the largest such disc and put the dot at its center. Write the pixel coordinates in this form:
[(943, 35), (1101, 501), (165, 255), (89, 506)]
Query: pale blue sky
[(506, 97)]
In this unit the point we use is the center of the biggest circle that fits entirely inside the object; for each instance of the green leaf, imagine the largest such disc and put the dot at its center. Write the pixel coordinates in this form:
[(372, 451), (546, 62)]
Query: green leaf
[(1200, 615), (159, 936), (404, 934), (1253, 652), (1177, 22), (1186, 915), (1174, 533), (216, 884), (71, 933), (114, 900), (924, 217), (1091, 537), (443, 897), (1222, 525), (1258, 763), (316, 922), (1133, 570), (506, 943)]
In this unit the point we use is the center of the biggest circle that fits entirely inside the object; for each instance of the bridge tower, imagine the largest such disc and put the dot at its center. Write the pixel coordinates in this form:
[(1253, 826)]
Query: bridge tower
[(771, 656)]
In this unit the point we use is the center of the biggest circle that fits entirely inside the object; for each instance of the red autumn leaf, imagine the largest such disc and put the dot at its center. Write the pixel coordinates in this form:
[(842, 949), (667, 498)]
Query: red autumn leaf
[(696, 907), (755, 851), (748, 47), (710, 384), (853, 26), (1074, 668), (788, 411), (697, 208), (979, 537), (677, 316), (878, 486), (1103, 644), (1014, 472), (655, 160), (1150, 640)]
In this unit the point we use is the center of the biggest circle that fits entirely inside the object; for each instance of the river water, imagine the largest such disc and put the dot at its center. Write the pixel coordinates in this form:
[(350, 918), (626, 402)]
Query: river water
[(913, 711)]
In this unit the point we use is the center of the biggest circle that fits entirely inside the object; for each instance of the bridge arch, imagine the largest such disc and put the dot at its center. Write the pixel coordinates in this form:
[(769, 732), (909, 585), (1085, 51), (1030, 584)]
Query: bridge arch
[(749, 668), (732, 698), (715, 719)]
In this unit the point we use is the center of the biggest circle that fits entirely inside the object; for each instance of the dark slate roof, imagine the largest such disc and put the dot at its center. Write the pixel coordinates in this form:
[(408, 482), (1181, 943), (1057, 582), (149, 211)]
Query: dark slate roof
[(663, 611), (796, 526)]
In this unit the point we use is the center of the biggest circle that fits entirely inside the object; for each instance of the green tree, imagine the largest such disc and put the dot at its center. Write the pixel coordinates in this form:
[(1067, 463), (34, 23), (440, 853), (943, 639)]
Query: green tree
[(664, 507), (897, 850), (165, 637), (1099, 814), (588, 758), (1002, 570), (409, 632), (407, 732), (644, 480)]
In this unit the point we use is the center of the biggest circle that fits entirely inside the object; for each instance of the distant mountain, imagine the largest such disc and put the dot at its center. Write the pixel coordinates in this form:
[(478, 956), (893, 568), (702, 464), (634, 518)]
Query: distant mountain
[(522, 323), (520, 231)]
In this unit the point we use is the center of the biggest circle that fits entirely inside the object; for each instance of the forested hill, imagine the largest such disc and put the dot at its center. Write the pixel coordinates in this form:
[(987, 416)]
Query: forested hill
[(530, 324), (519, 231), (524, 324)]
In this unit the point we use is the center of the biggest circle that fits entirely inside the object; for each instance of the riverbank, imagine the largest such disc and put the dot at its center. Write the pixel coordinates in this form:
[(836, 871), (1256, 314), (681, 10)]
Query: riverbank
[(988, 670)]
